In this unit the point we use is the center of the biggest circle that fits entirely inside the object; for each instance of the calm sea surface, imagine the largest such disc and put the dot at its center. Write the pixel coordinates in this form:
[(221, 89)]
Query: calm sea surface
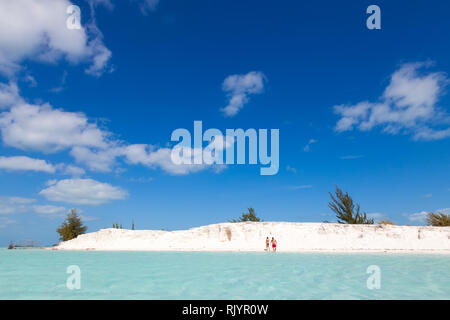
[(42, 274)]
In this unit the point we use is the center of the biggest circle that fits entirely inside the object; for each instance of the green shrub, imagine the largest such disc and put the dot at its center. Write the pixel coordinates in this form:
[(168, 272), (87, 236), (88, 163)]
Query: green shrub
[(250, 216)]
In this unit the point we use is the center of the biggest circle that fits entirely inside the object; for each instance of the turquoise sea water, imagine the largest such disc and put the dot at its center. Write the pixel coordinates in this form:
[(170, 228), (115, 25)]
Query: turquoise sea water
[(41, 274)]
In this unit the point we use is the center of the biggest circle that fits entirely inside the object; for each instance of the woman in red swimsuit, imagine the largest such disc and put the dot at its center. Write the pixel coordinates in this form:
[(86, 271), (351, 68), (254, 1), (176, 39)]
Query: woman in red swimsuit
[(274, 244)]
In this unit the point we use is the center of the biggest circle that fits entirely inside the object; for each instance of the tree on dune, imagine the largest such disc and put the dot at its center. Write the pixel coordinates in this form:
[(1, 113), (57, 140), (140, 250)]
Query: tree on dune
[(72, 227), (346, 212), (439, 219), (249, 216)]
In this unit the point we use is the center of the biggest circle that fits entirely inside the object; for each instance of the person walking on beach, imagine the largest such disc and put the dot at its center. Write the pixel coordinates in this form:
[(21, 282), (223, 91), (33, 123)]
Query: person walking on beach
[(274, 244), (267, 244)]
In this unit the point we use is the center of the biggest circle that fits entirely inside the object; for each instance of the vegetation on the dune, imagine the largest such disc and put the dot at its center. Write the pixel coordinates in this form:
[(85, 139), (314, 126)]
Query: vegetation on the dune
[(439, 219), (72, 227), (249, 216), (346, 212), (386, 221)]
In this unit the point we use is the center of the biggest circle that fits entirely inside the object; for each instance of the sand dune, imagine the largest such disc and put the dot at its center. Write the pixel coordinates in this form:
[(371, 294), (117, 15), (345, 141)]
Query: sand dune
[(291, 237)]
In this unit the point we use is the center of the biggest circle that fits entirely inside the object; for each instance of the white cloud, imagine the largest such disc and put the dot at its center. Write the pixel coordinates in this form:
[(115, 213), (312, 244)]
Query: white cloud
[(418, 216), (151, 157), (83, 191), (431, 134), (100, 61), (408, 105), (36, 29), (43, 128), (102, 160), (148, 5), (106, 3), (239, 87), (9, 95), (11, 205), (30, 80), (5, 222), (61, 85), (291, 169), (50, 211), (22, 163), (307, 148), (73, 170)]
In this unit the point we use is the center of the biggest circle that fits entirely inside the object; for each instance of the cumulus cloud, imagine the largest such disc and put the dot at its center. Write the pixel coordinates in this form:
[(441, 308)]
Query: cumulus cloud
[(73, 170), (22, 163), (41, 127), (44, 128), (151, 157), (36, 29), (238, 88), (9, 94), (102, 160), (83, 191), (408, 105)]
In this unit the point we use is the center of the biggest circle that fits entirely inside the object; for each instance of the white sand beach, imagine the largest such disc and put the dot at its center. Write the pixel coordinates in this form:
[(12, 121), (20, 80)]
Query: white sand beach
[(291, 237)]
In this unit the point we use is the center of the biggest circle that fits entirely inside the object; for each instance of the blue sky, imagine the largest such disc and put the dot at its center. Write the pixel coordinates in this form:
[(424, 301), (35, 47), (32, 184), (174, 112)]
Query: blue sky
[(86, 114)]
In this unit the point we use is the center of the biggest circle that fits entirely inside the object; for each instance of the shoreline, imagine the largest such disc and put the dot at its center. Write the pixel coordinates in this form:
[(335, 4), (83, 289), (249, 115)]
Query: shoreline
[(292, 237), (357, 251)]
